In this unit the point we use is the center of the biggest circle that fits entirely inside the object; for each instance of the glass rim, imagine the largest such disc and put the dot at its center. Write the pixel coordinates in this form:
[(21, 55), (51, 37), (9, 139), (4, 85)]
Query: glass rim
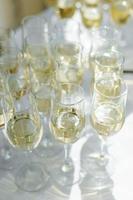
[(100, 33), (118, 54), (122, 93), (76, 102)]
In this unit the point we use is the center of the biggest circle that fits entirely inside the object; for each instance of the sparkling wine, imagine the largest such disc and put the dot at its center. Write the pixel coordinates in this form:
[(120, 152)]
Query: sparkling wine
[(107, 118), (66, 12), (43, 99), (67, 124), (91, 17), (24, 132), (120, 11), (70, 67), (108, 87)]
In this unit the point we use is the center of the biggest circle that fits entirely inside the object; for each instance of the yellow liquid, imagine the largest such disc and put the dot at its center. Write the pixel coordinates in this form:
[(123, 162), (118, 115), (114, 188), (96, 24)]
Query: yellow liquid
[(67, 125), (92, 3), (107, 119), (91, 17), (66, 12), (38, 58), (70, 67), (43, 99), (23, 132), (69, 74), (42, 73), (107, 64), (10, 69), (18, 86), (108, 87), (120, 12)]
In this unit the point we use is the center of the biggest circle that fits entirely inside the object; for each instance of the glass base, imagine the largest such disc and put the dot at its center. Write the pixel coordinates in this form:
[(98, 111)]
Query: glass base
[(49, 149), (31, 177), (64, 175)]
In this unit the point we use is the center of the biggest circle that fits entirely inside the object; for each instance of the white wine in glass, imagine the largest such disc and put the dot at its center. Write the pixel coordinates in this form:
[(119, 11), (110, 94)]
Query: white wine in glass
[(29, 135), (69, 67), (120, 11), (66, 8), (91, 16), (66, 123), (23, 130)]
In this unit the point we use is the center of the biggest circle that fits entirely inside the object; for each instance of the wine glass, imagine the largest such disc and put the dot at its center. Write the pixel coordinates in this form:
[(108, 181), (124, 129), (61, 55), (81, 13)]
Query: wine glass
[(8, 67), (92, 14), (32, 25), (120, 11), (108, 63), (66, 9), (108, 112), (65, 32), (67, 121), (23, 129), (107, 117), (39, 57), (69, 65), (105, 43), (41, 78)]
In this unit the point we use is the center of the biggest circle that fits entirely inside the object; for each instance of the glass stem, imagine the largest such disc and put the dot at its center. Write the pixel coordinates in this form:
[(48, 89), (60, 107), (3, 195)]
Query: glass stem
[(67, 166), (46, 140), (103, 144)]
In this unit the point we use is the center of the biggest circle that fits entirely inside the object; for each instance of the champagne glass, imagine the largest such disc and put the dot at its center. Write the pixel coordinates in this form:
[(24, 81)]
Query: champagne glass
[(66, 32), (69, 65), (39, 56), (41, 77), (7, 154), (23, 129), (32, 25), (68, 52), (66, 8), (67, 122), (106, 38), (108, 63), (106, 41), (92, 16), (107, 117), (8, 66), (42, 92), (120, 12)]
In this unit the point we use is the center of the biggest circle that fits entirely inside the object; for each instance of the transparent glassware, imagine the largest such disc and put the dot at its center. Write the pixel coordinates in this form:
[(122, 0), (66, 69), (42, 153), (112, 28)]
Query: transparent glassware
[(67, 121), (7, 154), (41, 78), (67, 52), (39, 59), (105, 39), (69, 63), (108, 63), (23, 130), (66, 9), (65, 31), (120, 11), (107, 118), (91, 14), (48, 148), (8, 66), (31, 25)]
